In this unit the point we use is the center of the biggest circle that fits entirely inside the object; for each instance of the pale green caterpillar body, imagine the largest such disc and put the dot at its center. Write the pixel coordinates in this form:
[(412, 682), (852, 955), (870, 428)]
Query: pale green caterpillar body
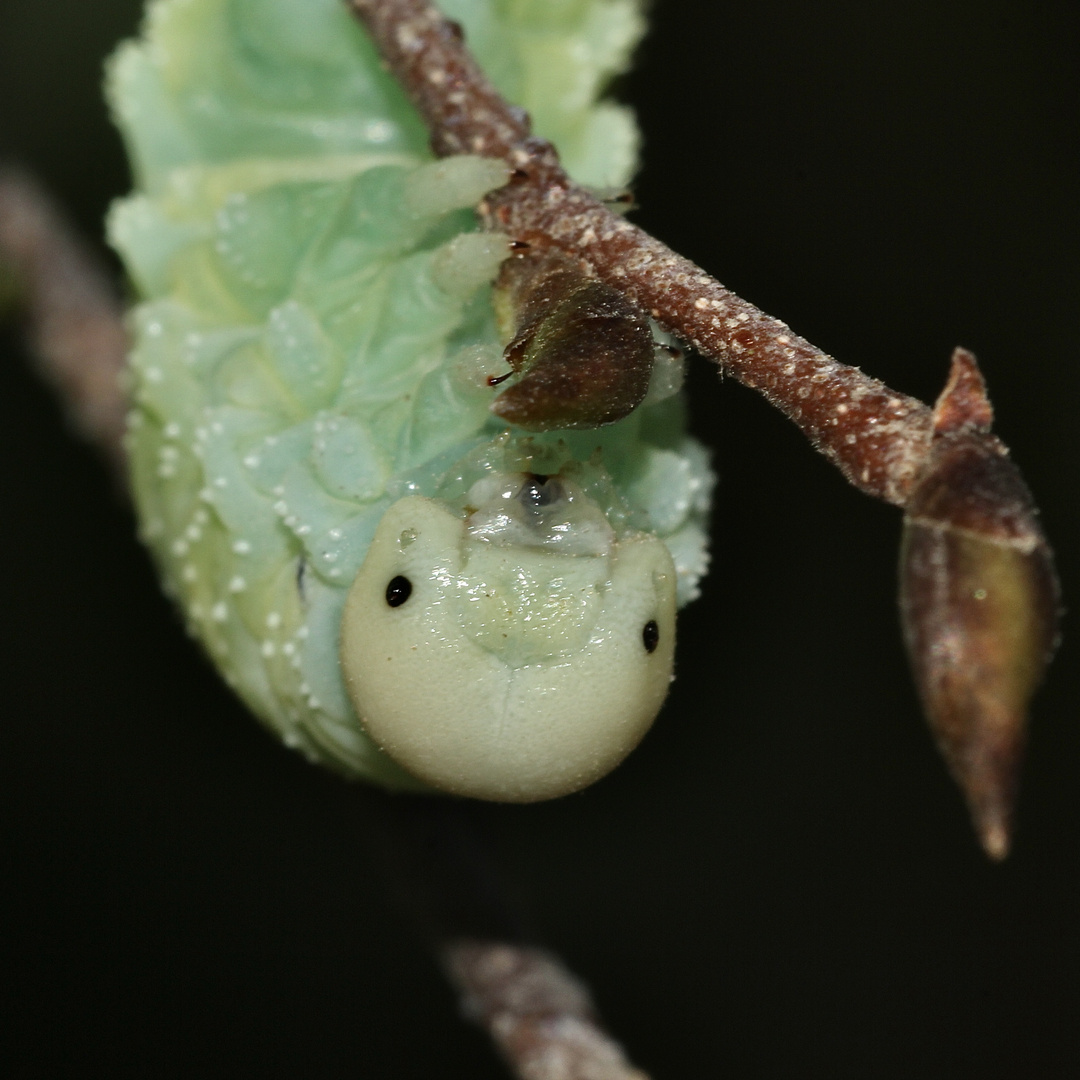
[(311, 422)]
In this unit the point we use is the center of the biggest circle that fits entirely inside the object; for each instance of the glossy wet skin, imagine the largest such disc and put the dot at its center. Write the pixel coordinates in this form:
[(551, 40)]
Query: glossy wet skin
[(516, 654)]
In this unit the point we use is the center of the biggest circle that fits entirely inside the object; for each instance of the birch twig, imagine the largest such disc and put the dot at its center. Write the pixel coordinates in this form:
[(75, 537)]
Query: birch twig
[(975, 666)]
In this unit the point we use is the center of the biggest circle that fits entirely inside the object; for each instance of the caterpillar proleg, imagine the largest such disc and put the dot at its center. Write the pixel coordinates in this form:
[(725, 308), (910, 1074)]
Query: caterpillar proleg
[(397, 582)]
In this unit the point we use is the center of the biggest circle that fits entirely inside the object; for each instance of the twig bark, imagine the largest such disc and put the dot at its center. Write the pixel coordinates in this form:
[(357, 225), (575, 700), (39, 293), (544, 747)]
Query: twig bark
[(539, 1016), (878, 438)]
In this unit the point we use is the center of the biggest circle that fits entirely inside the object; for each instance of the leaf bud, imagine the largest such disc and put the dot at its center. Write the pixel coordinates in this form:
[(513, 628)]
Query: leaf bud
[(978, 601)]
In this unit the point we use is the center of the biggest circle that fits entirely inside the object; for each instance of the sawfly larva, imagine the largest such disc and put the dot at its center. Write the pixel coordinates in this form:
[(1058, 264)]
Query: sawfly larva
[(395, 581)]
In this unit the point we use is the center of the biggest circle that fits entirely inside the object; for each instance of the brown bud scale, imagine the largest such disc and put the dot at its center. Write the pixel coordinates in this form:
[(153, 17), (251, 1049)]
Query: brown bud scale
[(584, 351)]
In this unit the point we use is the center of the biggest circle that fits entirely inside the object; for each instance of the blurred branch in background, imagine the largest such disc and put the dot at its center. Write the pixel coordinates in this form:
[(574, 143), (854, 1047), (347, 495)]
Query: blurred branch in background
[(73, 315)]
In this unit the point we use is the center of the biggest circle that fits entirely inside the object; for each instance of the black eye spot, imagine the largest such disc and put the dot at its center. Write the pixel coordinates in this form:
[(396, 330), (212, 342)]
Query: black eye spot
[(398, 591), (650, 636)]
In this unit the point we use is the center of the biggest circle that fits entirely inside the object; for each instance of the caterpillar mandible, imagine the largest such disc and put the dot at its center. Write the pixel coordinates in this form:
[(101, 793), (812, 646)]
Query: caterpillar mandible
[(398, 583)]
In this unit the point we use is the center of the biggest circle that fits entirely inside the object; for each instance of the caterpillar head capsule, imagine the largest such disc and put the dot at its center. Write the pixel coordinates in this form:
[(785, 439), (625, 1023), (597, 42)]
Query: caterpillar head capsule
[(516, 654)]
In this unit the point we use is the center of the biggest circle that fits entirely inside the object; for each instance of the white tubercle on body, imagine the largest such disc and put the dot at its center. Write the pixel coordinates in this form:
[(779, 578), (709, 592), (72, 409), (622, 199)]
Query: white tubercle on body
[(517, 653)]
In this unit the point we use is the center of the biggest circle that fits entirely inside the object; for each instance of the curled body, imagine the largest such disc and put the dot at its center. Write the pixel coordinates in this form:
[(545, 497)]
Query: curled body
[(397, 582)]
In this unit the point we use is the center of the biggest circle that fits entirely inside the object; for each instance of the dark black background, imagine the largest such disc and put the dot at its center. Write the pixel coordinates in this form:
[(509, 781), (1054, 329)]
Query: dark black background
[(782, 881)]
